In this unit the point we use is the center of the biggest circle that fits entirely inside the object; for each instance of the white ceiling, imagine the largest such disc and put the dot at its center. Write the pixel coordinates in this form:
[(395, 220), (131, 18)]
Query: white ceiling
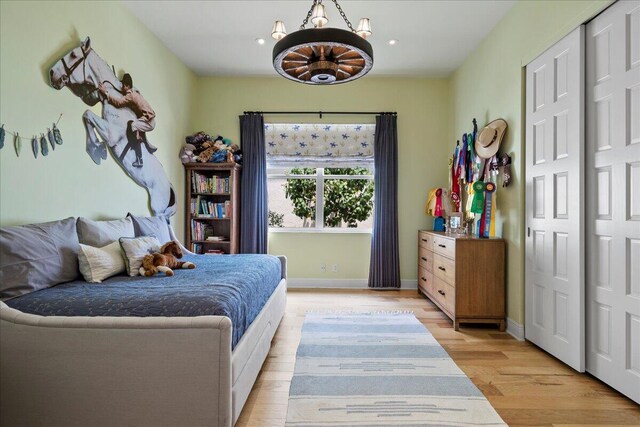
[(218, 37)]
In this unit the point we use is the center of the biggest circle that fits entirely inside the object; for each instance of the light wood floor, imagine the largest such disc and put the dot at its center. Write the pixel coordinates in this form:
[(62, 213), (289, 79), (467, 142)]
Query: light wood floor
[(525, 385)]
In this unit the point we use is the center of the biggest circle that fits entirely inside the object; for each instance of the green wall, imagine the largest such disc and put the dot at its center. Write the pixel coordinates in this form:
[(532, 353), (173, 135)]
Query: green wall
[(431, 114), (423, 133), (33, 35), (490, 84)]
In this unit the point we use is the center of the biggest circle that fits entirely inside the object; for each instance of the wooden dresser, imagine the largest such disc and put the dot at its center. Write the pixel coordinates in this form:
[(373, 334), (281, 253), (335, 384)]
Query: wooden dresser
[(463, 276)]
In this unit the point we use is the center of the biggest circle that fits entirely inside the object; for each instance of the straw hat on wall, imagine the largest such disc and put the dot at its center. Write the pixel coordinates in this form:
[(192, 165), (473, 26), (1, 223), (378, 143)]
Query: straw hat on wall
[(489, 139)]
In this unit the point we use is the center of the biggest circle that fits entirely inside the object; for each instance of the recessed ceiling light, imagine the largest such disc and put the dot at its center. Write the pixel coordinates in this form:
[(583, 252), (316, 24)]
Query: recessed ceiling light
[(392, 42), (260, 41)]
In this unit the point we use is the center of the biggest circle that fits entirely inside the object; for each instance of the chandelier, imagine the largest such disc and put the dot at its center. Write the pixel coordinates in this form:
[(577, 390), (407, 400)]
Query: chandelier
[(322, 55)]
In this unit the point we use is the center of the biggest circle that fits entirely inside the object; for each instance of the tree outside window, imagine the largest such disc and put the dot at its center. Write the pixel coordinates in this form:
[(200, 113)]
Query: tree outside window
[(342, 196)]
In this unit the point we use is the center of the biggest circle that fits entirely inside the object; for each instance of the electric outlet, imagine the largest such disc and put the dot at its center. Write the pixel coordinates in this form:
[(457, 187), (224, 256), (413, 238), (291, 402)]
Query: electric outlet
[(334, 268), (323, 268)]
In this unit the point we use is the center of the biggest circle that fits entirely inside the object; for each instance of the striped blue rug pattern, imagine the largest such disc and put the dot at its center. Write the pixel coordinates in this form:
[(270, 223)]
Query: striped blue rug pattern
[(379, 369)]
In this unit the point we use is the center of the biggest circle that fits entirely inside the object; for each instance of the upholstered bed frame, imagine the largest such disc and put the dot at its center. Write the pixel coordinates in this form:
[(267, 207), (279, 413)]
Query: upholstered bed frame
[(130, 371)]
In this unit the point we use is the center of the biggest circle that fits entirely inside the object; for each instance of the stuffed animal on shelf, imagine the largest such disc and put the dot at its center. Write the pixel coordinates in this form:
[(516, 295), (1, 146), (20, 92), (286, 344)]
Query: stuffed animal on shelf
[(164, 261), (186, 153), (206, 155)]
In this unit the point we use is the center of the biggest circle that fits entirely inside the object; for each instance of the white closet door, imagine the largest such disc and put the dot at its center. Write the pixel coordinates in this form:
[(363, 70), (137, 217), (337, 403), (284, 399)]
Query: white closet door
[(554, 267), (613, 185)]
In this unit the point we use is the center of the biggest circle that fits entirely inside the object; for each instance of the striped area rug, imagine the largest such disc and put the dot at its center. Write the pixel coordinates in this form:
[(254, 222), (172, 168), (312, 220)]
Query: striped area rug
[(379, 370)]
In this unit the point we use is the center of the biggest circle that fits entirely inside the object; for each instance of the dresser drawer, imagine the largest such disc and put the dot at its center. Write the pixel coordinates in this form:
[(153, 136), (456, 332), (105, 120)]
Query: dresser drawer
[(425, 258), (443, 246), (425, 240), (444, 268), (425, 281), (444, 294)]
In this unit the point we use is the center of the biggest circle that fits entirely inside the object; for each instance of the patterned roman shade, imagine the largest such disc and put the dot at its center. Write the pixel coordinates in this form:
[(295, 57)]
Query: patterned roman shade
[(319, 144)]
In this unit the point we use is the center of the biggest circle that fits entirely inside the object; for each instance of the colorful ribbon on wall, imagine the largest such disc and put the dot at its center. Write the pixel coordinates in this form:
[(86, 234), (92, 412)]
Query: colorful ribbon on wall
[(455, 179), (472, 155), (477, 205), (476, 179), (490, 188), (438, 202), (439, 205)]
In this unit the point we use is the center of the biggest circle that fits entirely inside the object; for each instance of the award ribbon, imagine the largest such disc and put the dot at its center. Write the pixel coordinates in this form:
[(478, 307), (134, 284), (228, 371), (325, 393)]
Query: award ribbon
[(455, 198), (490, 187), (462, 164), (455, 178), (427, 209), (438, 210), (478, 197)]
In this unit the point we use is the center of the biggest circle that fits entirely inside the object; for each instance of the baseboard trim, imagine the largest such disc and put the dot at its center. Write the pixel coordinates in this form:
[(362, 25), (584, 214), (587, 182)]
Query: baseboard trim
[(302, 283), (515, 329), (409, 284)]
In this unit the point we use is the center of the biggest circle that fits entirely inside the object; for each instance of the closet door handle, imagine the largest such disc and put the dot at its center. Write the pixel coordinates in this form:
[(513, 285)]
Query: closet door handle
[(441, 292), (442, 268), (423, 258)]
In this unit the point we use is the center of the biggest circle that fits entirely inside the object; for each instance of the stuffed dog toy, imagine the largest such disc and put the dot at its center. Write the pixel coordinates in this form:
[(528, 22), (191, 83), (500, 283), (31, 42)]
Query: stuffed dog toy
[(164, 261)]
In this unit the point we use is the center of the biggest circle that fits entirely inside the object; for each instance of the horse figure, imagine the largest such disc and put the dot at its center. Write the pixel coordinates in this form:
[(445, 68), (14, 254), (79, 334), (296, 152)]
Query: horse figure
[(82, 70)]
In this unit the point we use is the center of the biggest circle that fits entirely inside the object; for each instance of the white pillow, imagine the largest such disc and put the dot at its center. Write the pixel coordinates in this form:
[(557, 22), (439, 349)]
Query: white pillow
[(97, 264), (135, 249)]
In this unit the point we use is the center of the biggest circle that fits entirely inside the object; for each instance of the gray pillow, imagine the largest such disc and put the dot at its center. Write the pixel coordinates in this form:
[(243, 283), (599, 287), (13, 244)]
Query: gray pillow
[(37, 256), (152, 225), (101, 233)]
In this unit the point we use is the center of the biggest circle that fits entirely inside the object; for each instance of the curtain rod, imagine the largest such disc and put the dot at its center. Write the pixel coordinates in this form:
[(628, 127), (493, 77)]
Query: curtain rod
[(321, 113)]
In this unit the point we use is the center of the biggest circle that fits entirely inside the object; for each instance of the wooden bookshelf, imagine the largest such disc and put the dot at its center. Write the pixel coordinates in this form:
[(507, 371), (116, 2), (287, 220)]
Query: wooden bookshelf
[(212, 207)]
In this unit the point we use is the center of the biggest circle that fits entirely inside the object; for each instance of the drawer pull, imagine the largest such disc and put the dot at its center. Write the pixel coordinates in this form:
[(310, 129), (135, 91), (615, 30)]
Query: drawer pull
[(442, 268), (423, 258), (424, 240), (442, 246), (441, 292), (424, 279)]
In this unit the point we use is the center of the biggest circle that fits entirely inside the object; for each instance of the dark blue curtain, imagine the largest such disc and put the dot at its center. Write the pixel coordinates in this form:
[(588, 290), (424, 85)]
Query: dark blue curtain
[(384, 270), (253, 192)]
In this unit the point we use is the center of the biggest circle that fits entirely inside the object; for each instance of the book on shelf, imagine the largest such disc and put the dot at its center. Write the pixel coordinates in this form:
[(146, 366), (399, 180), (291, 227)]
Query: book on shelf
[(209, 184), (203, 208), (200, 230)]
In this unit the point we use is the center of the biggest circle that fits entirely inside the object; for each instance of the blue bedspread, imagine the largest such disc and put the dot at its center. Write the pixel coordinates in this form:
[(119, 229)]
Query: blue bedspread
[(236, 286)]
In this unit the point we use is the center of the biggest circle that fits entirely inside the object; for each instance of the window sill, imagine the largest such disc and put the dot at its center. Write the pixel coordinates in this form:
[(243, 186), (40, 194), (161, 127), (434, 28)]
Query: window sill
[(321, 230)]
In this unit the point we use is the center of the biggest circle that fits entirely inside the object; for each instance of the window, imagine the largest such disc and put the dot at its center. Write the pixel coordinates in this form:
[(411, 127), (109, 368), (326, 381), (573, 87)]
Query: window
[(321, 198), (320, 176)]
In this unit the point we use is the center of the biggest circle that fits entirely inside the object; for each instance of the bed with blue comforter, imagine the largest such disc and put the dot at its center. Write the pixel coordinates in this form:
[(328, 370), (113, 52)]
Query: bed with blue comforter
[(236, 286)]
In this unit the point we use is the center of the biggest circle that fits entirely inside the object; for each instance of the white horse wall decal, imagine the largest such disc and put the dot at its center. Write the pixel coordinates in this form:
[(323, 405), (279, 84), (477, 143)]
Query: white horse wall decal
[(82, 70)]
